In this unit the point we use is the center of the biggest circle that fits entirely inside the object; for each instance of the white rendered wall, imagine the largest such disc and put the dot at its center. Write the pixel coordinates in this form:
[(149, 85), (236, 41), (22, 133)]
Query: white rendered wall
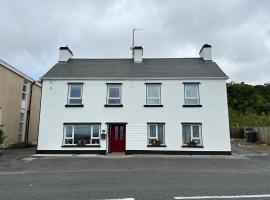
[(213, 114)]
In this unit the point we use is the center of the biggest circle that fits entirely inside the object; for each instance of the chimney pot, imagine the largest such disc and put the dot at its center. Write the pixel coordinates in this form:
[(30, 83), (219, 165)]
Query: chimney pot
[(206, 52), (64, 54)]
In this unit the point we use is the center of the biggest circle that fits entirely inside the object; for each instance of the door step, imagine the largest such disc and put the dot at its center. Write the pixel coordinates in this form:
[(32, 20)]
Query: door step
[(116, 154)]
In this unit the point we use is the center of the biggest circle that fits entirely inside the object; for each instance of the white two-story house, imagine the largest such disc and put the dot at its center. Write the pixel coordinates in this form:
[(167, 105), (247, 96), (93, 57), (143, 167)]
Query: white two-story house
[(137, 105)]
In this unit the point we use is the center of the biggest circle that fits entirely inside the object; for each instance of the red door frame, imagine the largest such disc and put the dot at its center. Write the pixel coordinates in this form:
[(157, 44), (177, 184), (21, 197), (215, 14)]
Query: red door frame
[(116, 139)]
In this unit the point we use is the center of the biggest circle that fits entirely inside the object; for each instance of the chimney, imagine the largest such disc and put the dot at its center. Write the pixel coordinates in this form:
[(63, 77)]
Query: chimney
[(64, 54), (137, 52), (206, 52)]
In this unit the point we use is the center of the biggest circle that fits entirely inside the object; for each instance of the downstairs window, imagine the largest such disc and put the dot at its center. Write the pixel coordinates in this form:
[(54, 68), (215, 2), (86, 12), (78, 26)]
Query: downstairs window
[(81, 134), (192, 134), (155, 134)]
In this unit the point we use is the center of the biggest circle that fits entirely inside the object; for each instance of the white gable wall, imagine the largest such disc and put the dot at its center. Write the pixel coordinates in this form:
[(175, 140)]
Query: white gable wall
[(213, 114)]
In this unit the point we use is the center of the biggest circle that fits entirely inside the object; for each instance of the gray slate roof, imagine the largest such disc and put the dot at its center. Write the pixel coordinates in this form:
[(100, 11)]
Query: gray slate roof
[(126, 68)]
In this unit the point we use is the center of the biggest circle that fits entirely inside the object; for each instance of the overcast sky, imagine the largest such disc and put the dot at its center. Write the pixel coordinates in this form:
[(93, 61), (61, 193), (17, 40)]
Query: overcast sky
[(239, 31)]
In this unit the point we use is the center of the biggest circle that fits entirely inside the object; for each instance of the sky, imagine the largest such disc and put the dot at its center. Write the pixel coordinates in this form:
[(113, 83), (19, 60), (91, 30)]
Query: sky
[(239, 31)]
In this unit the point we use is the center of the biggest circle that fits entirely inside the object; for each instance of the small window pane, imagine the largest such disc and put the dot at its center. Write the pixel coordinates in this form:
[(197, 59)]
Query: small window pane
[(197, 141), (95, 141), (21, 127), (191, 101), (153, 91), (23, 96), (95, 131), (22, 117), (116, 132), (68, 141), (196, 131), (160, 133), (24, 88), (114, 101), (114, 92), (186, 134), (75, 101), (153, 131), (75, 91), (191, 90), (68, 131), (82, 134), (121, 132), (153, 101)]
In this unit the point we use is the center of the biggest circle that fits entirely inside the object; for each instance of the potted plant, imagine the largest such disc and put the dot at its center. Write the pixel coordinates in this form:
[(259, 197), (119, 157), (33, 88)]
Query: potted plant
[(156, 143), (81, 143), (191, 144)]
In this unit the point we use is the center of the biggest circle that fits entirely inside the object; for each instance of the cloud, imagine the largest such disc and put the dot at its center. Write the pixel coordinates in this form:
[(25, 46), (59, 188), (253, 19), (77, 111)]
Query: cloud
[(239, 31)]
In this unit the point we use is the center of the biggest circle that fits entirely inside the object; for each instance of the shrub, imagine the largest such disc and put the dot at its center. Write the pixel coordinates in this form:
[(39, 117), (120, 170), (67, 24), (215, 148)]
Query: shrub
[(2, 137)]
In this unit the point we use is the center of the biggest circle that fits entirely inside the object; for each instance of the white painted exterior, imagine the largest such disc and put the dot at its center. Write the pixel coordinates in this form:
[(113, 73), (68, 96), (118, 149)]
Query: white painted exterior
[(213, 114), (206, 53)]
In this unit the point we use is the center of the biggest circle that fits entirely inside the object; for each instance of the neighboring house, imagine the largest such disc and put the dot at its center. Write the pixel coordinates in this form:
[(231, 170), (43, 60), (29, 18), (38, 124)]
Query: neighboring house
[(19, 106), (138, 105)]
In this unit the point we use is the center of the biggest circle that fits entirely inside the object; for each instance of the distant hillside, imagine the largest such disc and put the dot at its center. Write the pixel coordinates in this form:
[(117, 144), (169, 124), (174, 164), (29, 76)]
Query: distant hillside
[(248, 105)]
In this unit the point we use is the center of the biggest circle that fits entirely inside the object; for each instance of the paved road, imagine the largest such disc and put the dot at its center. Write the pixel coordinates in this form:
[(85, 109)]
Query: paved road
[(137, 177)]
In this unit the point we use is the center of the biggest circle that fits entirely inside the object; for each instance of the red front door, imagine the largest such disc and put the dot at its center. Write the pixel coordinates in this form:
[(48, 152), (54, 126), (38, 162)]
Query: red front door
[(117, 138)]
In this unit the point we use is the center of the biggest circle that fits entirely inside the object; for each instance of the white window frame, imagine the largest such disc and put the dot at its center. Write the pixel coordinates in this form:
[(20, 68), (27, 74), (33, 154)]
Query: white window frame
[(92, 137), (191, 98), (69, 93), (73, 133), (191, 132), (156, 127), (119, 86), (152, 98)]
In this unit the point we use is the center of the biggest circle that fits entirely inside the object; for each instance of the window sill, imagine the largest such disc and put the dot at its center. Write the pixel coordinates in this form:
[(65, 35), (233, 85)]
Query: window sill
[(192, 105), (75, 105), (76, 146), (162, 145), (153, 105), (111, 105), (185, 146)]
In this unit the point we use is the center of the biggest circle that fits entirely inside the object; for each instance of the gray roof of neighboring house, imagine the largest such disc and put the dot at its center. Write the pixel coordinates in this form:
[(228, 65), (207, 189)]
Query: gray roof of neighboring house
[(150, 68)]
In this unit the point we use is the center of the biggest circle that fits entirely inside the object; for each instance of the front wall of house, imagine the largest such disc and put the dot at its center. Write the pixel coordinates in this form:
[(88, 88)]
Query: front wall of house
[(213, 114), (10, 103)]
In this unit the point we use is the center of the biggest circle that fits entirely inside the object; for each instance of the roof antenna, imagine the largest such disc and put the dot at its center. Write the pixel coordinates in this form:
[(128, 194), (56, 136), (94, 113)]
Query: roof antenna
[(133, 35)]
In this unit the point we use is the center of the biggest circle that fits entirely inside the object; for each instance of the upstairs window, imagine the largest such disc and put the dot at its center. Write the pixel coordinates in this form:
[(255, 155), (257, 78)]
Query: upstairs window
[(81, 134), (24, 90), (192, 94), (114, 94), (192, 134), (75, 94), (155, 134), (153, 94)]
